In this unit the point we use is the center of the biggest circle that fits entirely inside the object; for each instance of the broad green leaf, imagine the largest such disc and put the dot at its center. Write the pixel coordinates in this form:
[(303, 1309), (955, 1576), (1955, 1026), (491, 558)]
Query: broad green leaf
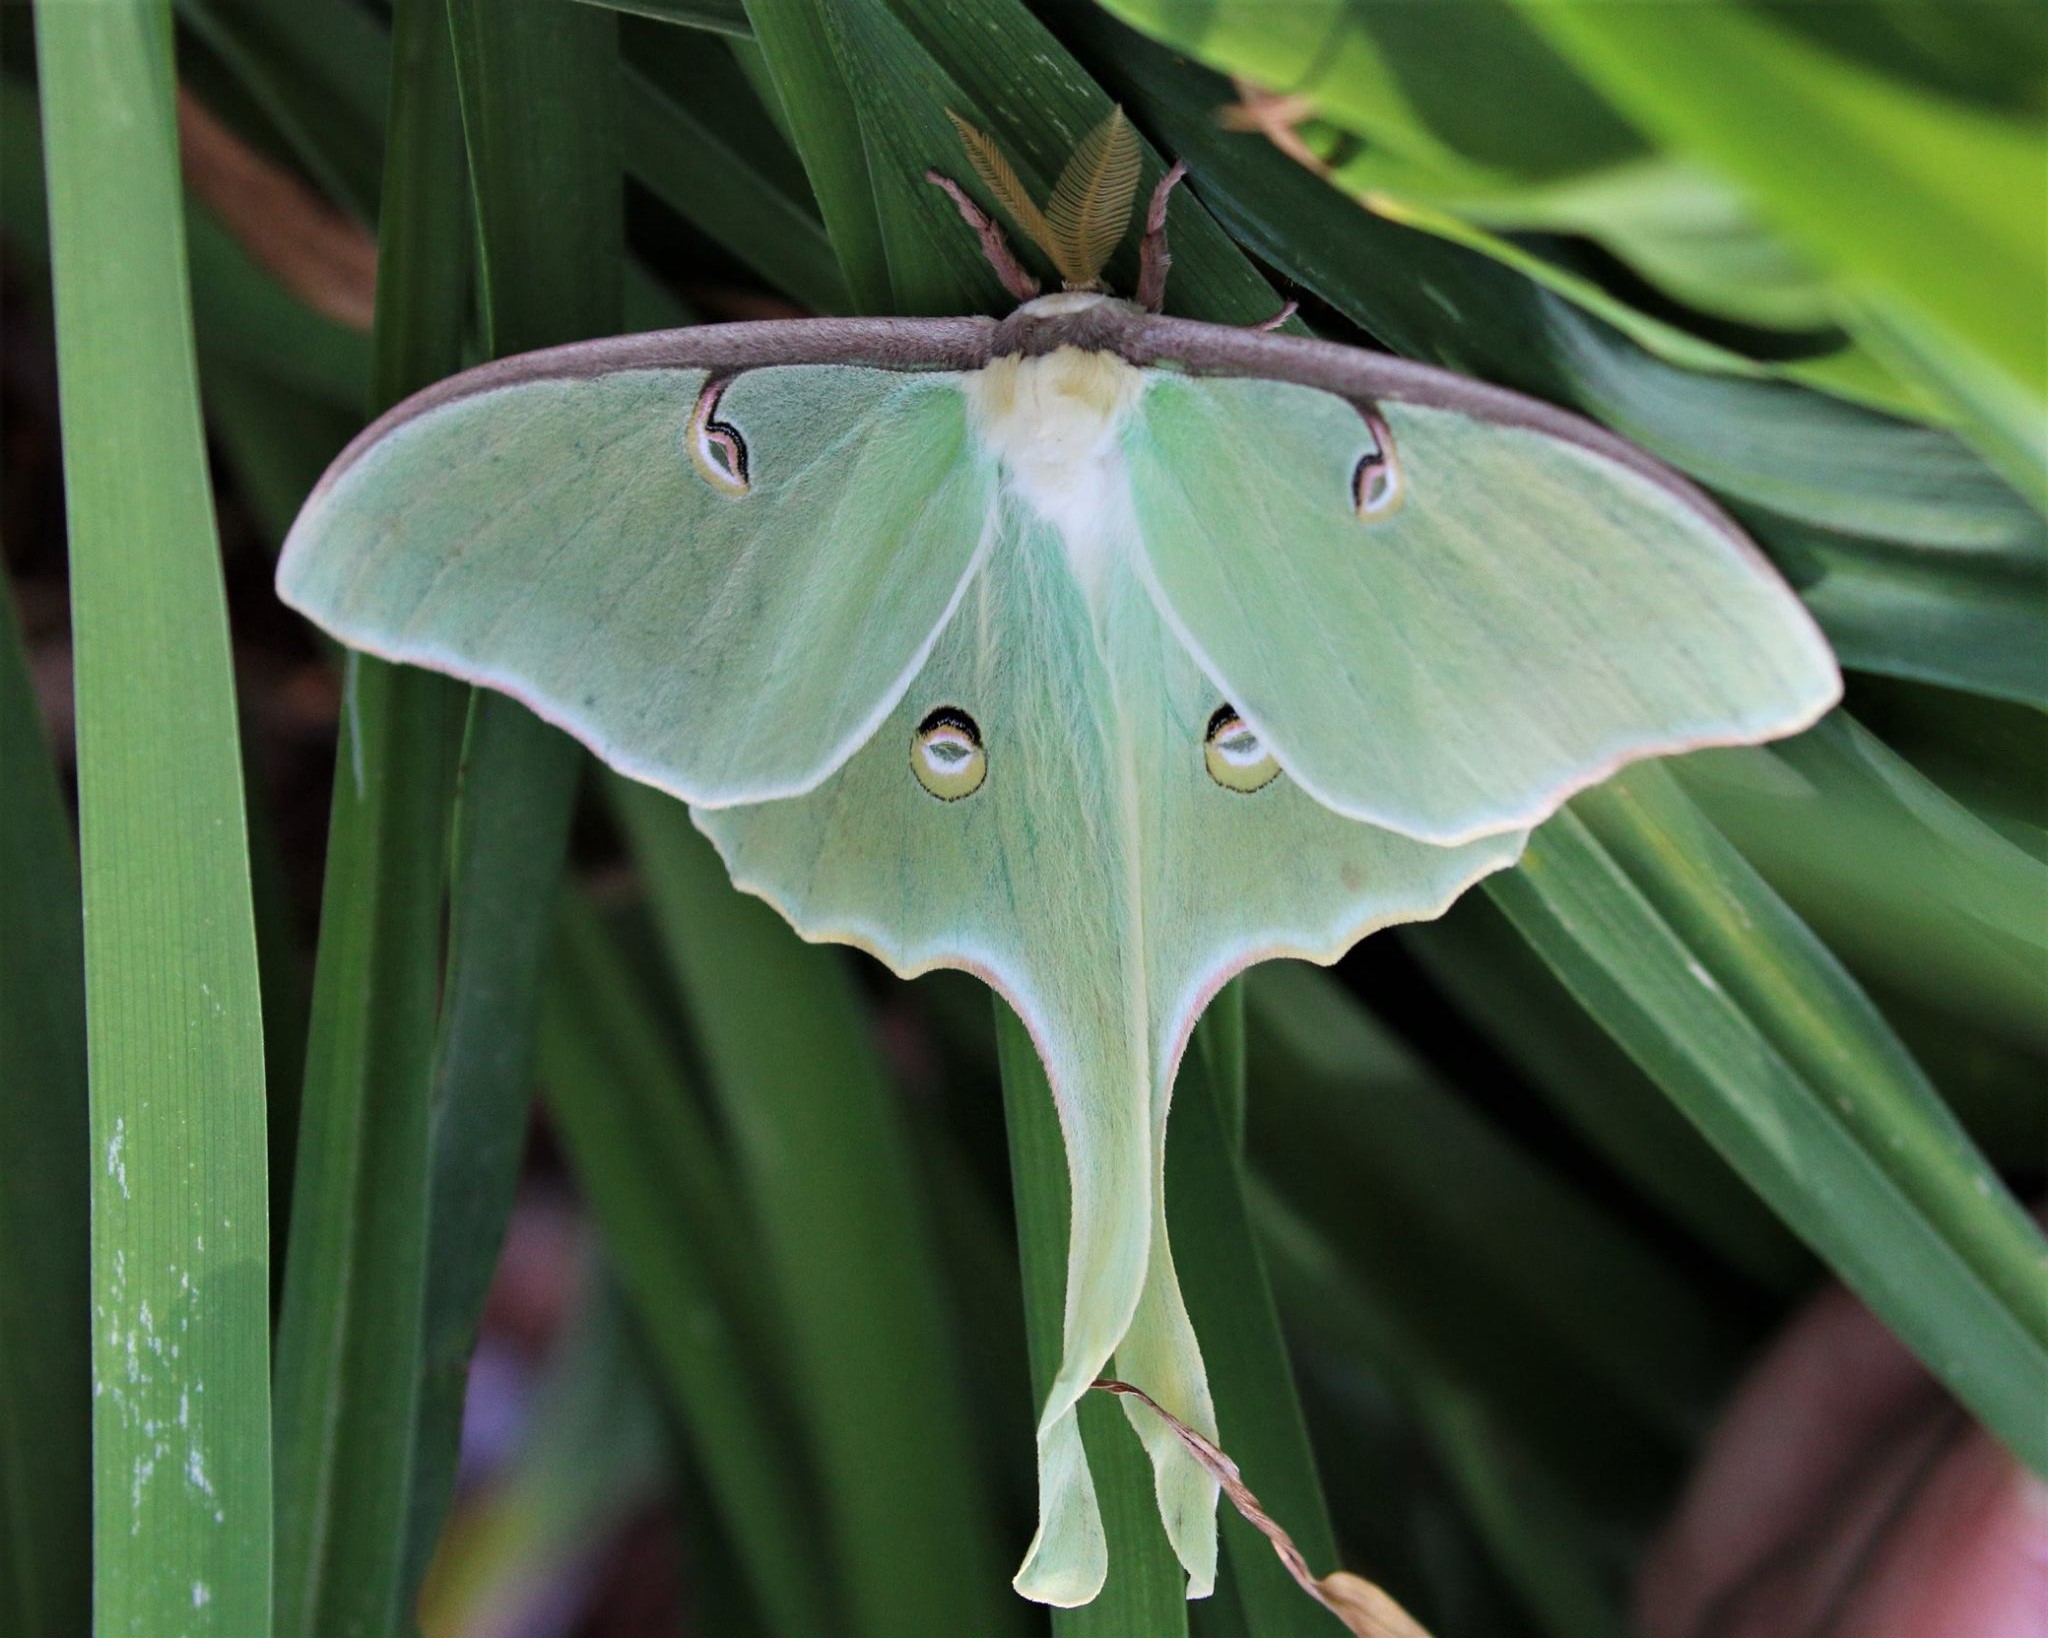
[(1147, 1589), (348, 1367), (819, 110), (180, 1290), (1745, 1020), (677, 1231), (1394, 123), (1921, 207), (826, 1167), (1511, 1281), (45, 1370), (1405, 79), (691, 170), (1990, 755), (1499, 982), (1827, 817), (538, 90), (1224, 1277)]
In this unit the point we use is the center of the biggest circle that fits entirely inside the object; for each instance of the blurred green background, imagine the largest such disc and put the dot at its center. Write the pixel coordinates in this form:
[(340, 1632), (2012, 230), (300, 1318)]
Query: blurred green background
[(1478, 1229)]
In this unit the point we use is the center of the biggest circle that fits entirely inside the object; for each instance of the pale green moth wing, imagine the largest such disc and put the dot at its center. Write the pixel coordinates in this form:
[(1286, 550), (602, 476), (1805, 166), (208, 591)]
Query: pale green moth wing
[(718, 582), (1098, 653), (1064, 804), (1444, 622)]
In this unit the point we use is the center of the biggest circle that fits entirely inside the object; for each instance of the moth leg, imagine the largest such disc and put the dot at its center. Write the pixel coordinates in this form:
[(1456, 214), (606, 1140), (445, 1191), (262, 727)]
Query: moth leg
[(1286, 312), (1153, 257), (993, 245)]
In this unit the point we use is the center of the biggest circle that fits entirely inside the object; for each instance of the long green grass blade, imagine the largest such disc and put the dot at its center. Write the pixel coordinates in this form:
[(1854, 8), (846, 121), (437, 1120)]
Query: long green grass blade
[(348, 1342), (1147, 1589), (1917, 204), (826, 1164), (1543, 1544), (1827, 816), (819, 109), (319, 71), (1512, 1282), (1504, 987), (691, 169), (538, 89), (1223, 1276), (677, 1231), (1668, 937), (347, 1380), (45, 1371), (713, 16), (180, 1288)]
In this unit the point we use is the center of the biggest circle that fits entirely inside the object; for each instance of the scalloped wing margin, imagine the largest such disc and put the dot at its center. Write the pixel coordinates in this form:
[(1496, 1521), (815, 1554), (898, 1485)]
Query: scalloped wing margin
[(1534, 615), (553, 538)]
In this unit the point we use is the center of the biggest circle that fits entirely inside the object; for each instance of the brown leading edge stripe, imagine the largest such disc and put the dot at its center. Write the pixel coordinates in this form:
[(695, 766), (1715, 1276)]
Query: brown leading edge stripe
[(1121, 327), (880, 343)]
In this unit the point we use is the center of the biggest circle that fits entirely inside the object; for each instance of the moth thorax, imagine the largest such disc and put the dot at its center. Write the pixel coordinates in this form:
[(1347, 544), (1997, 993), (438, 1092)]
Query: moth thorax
[(1054, 424)]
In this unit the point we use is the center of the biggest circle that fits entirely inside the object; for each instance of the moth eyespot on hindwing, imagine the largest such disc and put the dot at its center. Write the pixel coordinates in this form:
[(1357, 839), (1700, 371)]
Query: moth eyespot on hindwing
[(1377, 486), (716, 448), (1237, 759), (946, 754)]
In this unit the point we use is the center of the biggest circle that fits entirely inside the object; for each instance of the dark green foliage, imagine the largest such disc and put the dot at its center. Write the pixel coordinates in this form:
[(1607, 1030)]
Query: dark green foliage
[(1476, 1231)]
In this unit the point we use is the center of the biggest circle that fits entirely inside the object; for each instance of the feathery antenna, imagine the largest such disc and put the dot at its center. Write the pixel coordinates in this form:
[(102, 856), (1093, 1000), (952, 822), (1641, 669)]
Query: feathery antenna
[(1090, 207)]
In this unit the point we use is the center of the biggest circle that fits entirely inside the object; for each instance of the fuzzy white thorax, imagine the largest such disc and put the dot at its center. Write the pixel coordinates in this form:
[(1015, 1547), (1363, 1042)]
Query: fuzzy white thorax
[(1055, 425)]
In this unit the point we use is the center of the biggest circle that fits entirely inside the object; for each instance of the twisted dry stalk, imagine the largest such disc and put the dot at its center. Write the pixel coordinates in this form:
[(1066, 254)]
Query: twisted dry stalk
[(1366, 1610)]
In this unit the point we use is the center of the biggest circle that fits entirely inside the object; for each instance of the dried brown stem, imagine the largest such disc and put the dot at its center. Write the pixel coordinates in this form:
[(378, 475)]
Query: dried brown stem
[(1365, 1610)]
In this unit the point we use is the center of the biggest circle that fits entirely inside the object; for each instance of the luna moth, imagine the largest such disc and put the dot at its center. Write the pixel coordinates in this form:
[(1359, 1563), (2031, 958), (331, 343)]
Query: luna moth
[(1098, 652)]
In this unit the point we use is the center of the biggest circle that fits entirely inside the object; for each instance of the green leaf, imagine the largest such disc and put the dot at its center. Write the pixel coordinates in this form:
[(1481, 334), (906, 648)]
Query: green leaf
[(1501, 984), (348, 1370), (1223, 1277), (713, 16), (1920, 206), (1519, 1289), (818, 108), (1147, 1589), (538, 90), (45, 1370), (181, 1418), (1395, 123), (675, 1228), (1827, 816), (1968, 613), (348, 1341), (1744, 1019), (827, 1168), (692, 170)]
